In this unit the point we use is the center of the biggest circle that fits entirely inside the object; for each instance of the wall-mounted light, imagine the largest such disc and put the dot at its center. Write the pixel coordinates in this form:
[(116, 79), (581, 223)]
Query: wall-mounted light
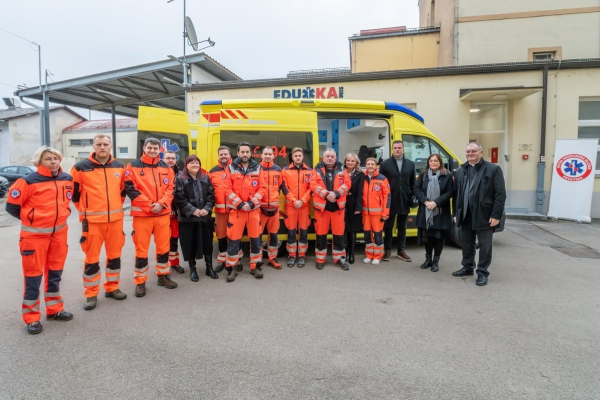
[(474, 110), (500, 97)]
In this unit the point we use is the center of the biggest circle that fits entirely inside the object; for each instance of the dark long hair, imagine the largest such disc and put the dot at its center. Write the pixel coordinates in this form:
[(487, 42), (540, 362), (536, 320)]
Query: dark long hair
[(189, 159), (443, 170)]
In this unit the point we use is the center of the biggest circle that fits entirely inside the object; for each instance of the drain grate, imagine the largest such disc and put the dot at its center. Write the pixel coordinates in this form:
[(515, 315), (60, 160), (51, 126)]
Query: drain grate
[(581, 252)]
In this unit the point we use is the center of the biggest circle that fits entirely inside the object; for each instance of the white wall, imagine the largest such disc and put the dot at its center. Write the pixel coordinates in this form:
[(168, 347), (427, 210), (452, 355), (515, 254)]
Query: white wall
[(200, 75), (124, 139), (4, 143), (483, 7)]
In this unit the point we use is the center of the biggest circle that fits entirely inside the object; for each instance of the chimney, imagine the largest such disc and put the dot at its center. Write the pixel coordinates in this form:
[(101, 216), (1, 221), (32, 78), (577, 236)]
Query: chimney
[(11, 103)]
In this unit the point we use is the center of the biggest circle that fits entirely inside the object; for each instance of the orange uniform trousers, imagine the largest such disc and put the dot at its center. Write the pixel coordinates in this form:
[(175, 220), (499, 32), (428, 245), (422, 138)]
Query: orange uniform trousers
[(174, 242), (297, 220), (42, 256), (238, 220), (373, 227), (143, 229), (111, 235), (323, 221), (272, 226), (221, 220)]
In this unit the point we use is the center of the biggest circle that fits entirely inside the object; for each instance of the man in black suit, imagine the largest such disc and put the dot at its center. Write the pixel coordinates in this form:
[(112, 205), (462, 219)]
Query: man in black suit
[(400, 173), (479, 197)]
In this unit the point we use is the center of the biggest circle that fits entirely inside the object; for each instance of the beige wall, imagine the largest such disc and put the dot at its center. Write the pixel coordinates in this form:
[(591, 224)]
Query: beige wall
[(395, 52), (444, 17), (437, 100), (509, 40), (124, 139), (480, 8)]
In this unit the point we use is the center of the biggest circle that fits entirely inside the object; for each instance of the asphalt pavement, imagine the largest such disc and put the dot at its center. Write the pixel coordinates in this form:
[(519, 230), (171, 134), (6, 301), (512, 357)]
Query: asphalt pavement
[(391, 331)]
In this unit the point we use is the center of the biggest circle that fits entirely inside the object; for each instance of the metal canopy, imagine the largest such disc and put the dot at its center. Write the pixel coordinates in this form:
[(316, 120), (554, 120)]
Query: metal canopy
[(158, 84), (499, 93)]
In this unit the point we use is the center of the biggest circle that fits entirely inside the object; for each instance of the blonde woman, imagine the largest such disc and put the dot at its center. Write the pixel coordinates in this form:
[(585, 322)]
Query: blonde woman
[(353, 215), (41, 201)]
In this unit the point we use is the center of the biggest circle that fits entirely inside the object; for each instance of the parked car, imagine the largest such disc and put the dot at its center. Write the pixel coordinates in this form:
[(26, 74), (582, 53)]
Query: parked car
[(14, 172), (3, 186)]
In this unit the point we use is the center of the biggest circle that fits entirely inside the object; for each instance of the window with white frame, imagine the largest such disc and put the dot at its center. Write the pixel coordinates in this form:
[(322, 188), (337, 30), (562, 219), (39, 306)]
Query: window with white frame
[(81, 142), (544, 56), (589, 123), (488, 118), (123, 151)]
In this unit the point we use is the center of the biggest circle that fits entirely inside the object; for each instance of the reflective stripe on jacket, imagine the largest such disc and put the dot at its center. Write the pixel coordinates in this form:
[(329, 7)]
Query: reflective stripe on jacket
[(244, 186), (148, 181), (99, 189), (41, 201), (297, 183), (341, 185), (274, 180), (376, 195), (217, 177)]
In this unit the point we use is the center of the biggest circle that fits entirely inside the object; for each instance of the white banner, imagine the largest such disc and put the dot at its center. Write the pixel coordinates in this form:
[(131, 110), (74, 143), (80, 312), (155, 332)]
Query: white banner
[(573, 179)]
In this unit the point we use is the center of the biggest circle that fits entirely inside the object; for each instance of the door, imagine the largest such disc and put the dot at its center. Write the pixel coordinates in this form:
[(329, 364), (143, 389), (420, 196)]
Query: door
[(171, 127)]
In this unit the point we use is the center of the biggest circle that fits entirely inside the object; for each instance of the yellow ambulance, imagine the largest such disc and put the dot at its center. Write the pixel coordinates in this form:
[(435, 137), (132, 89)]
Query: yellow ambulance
[(367, 128)]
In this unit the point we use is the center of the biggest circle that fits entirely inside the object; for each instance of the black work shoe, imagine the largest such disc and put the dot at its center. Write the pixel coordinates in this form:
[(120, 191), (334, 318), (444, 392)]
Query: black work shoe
[(165, 280), (319, 265), (231, 274), (435, 265), (220, 267), (301, 262), (34, 328), (140, 290), (343, 264), (427, 264), (257, 271), (239, 266), (178, 268), (194, 275), (481, 280), (291, 262), (116, 294), (463, 272), (60, 316), (90, 303)]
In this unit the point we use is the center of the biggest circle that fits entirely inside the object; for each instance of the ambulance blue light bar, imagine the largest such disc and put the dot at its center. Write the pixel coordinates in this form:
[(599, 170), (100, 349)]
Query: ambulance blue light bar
[(399, 107), (211, 102)]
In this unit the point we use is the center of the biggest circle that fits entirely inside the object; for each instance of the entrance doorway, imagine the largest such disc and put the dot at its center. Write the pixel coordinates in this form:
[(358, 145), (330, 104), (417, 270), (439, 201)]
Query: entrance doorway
[(488, 127)]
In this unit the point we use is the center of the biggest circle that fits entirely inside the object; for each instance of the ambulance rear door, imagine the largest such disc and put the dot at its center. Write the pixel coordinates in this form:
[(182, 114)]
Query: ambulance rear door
[(171, 127)]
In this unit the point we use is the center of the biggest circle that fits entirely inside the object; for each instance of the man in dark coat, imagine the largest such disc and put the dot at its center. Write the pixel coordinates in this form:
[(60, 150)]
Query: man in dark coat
[(479, 194), (400, 173)]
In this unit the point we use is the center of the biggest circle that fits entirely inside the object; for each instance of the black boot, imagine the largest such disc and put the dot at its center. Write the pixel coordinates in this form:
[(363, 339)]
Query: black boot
[(351, 246), (209, 269), (435, 267), (193, 273), (427, 264)]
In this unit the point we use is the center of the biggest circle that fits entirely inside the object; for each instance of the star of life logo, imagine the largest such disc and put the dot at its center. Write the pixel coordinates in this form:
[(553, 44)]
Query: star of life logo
[(574, 167), (255, 183), (15, 193), (166, 181)]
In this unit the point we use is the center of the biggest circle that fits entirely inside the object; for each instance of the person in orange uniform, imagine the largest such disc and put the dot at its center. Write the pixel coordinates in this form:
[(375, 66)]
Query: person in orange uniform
[(170, 158), (269, 206), (376, 210), (41, 201), (218, 174), (149, 183), (296, 177), (244, 188), (99, 194), (330, 185)]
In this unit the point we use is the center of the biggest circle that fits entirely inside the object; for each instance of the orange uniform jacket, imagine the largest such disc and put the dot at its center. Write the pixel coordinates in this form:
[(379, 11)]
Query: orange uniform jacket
[(244, 187), (341, 185), (148, 181), (99, 189), (297, 183), (274, 180), (218, 175), (41, 201), (376, 195)]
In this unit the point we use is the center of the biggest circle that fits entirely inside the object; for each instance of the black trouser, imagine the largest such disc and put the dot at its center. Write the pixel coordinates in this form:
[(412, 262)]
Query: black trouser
[(388, 229), (468, 235), (434, 246)]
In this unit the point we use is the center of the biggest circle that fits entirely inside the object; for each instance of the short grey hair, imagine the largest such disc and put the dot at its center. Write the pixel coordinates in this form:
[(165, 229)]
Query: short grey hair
[(475, 143), (39, 153), (329, 149), (102, 136)]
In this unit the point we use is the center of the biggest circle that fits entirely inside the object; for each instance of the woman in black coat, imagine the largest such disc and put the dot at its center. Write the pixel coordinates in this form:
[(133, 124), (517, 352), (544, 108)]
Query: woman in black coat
[(353, 214), (195, 198), (434, 189)]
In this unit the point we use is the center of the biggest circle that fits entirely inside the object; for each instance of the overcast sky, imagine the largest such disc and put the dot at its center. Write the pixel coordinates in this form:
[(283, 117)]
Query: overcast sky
[(255, 39)]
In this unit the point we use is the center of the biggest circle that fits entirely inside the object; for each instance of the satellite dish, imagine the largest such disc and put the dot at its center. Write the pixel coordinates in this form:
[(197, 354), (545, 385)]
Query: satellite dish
[(191, 33)]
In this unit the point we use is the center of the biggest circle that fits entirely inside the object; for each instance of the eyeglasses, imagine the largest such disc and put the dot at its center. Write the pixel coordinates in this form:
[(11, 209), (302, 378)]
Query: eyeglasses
[(471, 151)]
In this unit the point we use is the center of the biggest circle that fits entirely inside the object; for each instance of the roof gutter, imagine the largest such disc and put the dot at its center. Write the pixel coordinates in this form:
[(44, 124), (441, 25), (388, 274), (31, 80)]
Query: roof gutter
[(539, 205)]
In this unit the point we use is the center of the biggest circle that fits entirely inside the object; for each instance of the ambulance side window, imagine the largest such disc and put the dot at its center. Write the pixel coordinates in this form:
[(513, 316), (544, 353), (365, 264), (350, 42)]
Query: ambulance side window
[(282, 143)]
